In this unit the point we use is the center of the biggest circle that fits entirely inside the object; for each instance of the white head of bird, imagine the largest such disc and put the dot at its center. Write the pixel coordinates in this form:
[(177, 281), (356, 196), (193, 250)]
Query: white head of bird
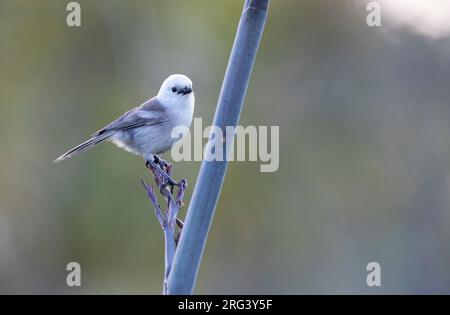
[(175, 90)]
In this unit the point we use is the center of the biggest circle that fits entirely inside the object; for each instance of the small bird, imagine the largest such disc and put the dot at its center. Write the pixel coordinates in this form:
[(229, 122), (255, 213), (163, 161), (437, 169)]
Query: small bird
[(147, 129)]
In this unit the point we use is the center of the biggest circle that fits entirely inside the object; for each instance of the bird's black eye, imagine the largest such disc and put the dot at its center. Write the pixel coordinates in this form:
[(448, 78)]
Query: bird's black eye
[(174, 89)]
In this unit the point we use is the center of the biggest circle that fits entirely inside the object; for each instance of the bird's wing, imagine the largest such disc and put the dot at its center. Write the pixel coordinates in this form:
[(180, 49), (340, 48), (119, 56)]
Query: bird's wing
[(149, 113)]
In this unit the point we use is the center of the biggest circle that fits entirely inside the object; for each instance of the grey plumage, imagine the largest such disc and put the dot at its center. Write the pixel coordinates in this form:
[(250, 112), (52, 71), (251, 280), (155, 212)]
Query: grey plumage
[(136, 118), (81, 148), (133, 118)]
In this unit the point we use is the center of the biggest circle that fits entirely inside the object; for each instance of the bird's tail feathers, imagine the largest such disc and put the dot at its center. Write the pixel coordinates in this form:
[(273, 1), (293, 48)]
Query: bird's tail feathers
[(83, 147)]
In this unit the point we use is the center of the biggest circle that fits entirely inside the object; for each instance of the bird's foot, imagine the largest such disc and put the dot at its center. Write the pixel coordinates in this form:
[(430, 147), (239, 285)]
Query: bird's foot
[(163, 169), (162, 163)]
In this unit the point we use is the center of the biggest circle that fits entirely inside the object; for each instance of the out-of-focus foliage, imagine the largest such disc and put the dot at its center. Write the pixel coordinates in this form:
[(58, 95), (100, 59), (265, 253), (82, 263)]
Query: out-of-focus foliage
[(364, 172)]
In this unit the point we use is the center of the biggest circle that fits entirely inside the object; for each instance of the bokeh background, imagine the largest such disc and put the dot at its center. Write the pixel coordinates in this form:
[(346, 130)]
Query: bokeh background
[(364, 118)]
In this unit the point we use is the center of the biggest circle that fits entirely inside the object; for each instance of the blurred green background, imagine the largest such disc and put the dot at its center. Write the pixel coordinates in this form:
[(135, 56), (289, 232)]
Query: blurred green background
[(364, 173)]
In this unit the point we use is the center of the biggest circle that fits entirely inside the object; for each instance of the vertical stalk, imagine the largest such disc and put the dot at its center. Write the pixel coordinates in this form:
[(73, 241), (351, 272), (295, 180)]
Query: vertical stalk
[(188, 255)]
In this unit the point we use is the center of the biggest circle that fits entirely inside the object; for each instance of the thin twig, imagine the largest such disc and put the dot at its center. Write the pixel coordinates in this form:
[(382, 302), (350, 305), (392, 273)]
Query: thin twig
[(155, 203), (212, 173)]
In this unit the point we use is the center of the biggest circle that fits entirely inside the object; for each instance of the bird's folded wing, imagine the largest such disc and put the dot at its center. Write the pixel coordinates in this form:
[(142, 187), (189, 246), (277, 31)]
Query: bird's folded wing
[(148, 114)]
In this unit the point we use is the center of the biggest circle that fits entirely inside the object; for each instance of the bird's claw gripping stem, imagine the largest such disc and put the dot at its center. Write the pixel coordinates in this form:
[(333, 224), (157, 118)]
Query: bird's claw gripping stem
[(162, 167)]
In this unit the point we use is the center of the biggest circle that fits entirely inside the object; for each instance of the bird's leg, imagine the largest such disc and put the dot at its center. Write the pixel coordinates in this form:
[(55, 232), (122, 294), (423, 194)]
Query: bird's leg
[(167, 168), (161, 166)]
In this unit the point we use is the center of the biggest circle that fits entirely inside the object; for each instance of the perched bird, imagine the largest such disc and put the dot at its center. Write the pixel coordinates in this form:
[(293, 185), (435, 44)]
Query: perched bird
[(147, 129)]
